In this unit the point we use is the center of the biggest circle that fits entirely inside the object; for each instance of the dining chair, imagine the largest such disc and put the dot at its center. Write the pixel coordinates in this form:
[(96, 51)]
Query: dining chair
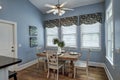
[(54, 63), (82, 64), (41, 60)]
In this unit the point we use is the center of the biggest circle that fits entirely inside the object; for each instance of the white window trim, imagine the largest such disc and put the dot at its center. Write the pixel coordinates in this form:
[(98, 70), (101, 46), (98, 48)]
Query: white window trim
[(107, 20), (67, 34), (111, 61), (97, 48)]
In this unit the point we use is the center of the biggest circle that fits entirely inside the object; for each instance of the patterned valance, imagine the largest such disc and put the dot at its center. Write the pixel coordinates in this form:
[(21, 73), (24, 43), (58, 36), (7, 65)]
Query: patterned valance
[(61, 22), (69, 21), (51, 23), (91, 18)]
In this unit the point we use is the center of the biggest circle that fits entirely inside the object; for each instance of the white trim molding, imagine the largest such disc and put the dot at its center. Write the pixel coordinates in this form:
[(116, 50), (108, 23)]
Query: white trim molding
[(104, 66), (97, 64), (15, 34), (26, 65), (107, 72), (14, 40)]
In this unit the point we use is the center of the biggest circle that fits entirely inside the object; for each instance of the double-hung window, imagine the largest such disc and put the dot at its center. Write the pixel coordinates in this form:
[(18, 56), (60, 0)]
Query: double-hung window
[(109, 34), (69, 34), (90, 35), (51, 33)]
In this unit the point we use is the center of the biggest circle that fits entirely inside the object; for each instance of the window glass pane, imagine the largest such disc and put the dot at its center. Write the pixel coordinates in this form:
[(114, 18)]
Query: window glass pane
[(110, 13), (69, 35), (70, 40), (69, 29), (50, 40), (109, 31), (52, 31), (91, 28), (90, 35), (110, 34), (90, 40)]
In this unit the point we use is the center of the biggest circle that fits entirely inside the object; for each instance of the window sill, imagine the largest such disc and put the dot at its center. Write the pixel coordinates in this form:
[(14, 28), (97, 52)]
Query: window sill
[(91, 49), (111, 62)]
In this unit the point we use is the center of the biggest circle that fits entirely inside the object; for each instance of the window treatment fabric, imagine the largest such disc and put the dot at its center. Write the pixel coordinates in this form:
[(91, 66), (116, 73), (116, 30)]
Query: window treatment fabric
[(69, 21), (62, 21), (51, 23), (91, 18)]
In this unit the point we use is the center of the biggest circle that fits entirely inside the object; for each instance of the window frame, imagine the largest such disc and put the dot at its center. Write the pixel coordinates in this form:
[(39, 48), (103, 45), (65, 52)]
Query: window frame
[(47, 46), (108, 20), (69, 34), (81, 35)]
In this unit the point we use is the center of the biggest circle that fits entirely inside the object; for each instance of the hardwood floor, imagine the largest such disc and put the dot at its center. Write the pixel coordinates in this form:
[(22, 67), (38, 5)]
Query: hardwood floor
[(33, 73)]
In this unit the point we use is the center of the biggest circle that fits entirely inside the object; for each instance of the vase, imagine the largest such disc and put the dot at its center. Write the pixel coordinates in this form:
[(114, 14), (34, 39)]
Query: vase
[(59, 50)]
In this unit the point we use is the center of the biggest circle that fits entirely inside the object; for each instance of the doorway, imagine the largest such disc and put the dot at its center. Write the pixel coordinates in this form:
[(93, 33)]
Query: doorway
[(8, 39)]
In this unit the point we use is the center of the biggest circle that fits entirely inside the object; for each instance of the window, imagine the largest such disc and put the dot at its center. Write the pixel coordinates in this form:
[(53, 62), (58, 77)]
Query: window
[(90, 35), (51, 33), (69, 35), (109, 34)]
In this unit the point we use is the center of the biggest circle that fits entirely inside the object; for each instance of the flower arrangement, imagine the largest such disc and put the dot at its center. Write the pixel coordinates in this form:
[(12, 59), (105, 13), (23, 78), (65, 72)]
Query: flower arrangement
[(59, 43)]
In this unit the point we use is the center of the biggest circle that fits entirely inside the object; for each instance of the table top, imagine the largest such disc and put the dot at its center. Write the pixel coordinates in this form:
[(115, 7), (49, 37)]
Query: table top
[(7, 61), (63, 56)]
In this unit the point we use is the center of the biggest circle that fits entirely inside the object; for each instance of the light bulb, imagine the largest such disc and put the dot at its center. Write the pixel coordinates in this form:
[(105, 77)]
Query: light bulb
[(54, 13), (62, 11), (0, 7), (60, 14)]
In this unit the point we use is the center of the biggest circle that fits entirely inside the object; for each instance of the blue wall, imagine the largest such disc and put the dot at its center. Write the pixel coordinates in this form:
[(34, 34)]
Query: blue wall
[(96, 56), (25, 14), (115, 70)]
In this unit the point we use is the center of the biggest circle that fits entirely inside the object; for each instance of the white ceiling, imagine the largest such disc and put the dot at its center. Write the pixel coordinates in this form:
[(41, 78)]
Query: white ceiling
[(40, 4)]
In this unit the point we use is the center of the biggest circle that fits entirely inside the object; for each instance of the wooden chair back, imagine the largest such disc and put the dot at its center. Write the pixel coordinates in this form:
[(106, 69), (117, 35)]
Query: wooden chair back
[(52, 58)]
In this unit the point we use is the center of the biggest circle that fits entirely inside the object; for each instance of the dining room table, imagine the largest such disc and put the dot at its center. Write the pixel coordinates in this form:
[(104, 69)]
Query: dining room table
[(66, 56)]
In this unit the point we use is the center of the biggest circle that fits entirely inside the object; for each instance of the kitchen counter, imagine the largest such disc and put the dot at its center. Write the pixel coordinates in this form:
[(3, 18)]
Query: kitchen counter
[(5, 62)]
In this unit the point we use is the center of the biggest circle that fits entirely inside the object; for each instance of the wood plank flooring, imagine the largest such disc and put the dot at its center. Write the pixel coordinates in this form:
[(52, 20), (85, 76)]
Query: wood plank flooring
[(33, 73)]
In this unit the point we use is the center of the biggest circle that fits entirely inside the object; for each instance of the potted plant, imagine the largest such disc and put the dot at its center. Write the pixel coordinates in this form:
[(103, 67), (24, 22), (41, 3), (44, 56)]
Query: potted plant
[(59, 43)]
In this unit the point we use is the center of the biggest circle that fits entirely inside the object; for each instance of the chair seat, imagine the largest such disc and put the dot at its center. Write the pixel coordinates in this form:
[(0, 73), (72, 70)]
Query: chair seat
[(60, 64), (80, 63)]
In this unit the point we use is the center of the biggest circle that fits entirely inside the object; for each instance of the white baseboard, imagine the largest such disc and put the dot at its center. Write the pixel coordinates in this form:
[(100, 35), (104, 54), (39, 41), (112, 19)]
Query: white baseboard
[(108, 73), (97, 64), (102, 65), (26, 65)]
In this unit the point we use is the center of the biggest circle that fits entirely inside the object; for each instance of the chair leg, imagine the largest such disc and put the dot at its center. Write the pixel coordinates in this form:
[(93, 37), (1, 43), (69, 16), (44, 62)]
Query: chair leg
[(15, 77), (57, 73), (45, 65), (74, 72), (48, 73), (38, 65), (63, 70), (87, 72)]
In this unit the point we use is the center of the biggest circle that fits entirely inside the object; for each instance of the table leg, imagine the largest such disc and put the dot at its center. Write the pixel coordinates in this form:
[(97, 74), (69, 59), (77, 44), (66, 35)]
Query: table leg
[(45, 65), (71, 70)]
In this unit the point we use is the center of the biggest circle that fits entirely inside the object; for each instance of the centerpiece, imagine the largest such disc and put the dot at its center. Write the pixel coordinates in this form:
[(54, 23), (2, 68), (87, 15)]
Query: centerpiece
[(59, 43)]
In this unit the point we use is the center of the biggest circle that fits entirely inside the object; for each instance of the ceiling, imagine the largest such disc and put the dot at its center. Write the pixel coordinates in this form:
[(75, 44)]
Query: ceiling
[(40, 4)]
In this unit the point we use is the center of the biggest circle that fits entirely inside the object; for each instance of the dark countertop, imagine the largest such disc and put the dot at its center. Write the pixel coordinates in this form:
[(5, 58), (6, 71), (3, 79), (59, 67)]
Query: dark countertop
[(7, 61)]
